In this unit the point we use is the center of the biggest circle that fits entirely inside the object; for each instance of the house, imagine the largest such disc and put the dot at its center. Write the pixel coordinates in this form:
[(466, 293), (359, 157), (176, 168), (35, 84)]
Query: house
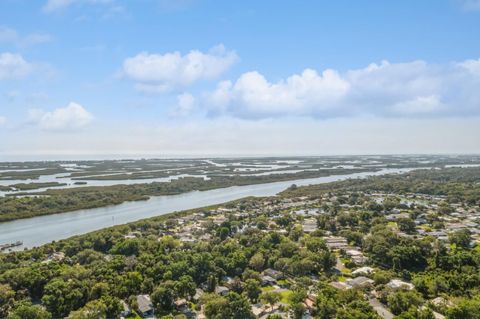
[(339, 285), (56, 256), (133, 234), (273, 273), (267, 280), (398, 284), (309, 303), (307, 212), (363, 270), (218, 220), (258, 310), (221, 290), (145, 306), (309, 225), (333, 242), (180, 303), (360, 282), (356, 256), (440, 302), (198, 294)]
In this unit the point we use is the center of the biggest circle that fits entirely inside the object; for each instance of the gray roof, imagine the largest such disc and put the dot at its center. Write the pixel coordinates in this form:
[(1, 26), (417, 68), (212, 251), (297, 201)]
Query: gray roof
[(144, 303)]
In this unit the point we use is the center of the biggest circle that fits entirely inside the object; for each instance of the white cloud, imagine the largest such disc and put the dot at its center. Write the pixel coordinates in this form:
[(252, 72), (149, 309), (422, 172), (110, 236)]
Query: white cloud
[(3, 120), (58, 5), (8, 35), (472, 66), (419, 105), (299, 94), (386, 89), (71, 117), (163, 72), (185, 104), (13, 66), (470, 5)]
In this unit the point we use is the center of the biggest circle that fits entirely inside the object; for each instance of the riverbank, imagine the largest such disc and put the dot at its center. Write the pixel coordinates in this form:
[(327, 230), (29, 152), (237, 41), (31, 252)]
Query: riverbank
[(55, 201), (44, 229)]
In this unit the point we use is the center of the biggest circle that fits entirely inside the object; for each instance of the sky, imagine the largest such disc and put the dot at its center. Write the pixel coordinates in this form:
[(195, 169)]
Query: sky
[(163, 78)]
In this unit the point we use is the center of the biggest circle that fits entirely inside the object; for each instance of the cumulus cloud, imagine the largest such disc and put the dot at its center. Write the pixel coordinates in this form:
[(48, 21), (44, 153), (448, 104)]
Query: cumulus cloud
[(386, 89), (57, 5), (8, 35), (185, 104), (71, 117), (303, 93), (156, 73), (13, 66)]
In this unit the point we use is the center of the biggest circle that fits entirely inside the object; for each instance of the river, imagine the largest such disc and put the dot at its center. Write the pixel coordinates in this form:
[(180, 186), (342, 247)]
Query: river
[(40, 230)]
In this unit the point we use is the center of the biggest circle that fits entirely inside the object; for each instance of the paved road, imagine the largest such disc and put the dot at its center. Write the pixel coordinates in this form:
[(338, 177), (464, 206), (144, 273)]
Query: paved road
[(380, 309)]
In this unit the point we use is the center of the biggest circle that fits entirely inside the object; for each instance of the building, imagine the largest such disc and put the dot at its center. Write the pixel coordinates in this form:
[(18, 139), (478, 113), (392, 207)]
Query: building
[(145, 306), (397, 284), (360, 282), (309, 225), (336, 242), (363, 270), (221, 290)]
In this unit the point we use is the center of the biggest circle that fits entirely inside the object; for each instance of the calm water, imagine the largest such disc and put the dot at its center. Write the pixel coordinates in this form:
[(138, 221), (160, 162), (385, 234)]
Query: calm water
[(44, 229)]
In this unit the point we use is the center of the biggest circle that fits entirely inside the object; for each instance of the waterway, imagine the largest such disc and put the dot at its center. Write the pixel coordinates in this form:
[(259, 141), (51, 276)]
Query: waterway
[(40, 230)]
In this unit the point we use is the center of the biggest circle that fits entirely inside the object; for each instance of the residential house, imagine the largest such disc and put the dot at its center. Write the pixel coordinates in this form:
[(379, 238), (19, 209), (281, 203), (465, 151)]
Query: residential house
[(145, 306), (398, 284)]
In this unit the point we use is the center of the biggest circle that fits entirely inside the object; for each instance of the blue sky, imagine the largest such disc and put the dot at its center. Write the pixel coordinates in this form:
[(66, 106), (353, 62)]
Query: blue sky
[(202, 77)]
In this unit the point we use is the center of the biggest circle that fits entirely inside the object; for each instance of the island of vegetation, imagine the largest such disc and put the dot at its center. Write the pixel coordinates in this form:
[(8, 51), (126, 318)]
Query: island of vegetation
[(400, 246)]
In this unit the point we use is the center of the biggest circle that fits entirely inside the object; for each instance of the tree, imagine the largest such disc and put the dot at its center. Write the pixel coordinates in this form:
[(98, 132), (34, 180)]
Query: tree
[(6, 299), (113, 306), (461, 238), (163, 298), (401, 301), (357, 309), (297, 309), (271, 298), (257, 261), (233, 306), (315, 244), (211, 283), (185, 287), (92, 310), (326, 307), (406, 225), (223, 233), (132, 282), (253, 290), (61, 297), (238, 307), (213, 305), (466, 309), (25, 310), (415, 313)]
